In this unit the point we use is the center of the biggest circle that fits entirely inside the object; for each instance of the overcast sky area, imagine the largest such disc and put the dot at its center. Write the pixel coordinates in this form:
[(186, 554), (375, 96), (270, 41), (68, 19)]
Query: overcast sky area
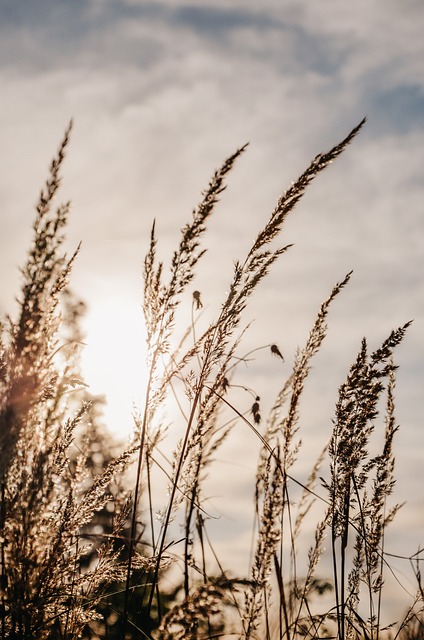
[(161, 93)]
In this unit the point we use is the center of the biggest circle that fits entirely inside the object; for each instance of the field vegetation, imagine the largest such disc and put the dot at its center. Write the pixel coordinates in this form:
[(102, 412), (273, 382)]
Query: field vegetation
[(84, 550)]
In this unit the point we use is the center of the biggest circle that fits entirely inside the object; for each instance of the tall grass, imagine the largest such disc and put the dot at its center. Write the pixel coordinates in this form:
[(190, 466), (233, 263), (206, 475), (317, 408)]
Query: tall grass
[(81, 556)]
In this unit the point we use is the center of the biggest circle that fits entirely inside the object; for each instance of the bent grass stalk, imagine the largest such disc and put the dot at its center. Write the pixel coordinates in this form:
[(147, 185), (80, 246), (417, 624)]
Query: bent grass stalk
[(56, 584)]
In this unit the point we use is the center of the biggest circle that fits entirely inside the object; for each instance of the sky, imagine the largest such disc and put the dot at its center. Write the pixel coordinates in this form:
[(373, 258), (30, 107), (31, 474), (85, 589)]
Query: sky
[(160, 94)]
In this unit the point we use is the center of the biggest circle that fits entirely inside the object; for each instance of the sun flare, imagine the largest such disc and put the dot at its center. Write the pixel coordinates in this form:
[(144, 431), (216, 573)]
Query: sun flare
[(113, 360)]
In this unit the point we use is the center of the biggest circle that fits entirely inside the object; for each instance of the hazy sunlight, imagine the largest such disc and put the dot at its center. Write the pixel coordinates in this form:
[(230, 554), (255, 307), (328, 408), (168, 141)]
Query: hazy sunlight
[(113, 360)]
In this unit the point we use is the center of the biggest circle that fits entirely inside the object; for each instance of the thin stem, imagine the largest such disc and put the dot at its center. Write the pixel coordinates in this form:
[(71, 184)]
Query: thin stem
[(172, 496), (343, 546), (188, 541), (367, 554), (336, 579), (283, 601), (134, 512)]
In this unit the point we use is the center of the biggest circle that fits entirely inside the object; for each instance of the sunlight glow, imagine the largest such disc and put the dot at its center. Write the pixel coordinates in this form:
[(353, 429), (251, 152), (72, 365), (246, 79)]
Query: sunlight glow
[(113, 360)]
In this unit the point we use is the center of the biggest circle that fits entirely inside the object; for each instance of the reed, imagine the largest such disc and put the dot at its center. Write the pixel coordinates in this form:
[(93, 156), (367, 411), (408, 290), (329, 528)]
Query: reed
[(82, 551)]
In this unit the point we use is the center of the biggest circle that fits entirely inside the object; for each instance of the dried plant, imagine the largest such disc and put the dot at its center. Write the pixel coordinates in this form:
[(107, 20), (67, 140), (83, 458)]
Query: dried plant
[(61, 578), (45, 499)]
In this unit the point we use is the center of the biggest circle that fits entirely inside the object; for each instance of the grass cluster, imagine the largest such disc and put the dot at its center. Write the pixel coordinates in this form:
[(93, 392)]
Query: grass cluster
[(85, 552)]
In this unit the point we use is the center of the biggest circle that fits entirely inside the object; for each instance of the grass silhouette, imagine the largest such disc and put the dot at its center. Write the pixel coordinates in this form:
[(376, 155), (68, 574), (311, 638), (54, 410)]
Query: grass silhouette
[(83, 553)]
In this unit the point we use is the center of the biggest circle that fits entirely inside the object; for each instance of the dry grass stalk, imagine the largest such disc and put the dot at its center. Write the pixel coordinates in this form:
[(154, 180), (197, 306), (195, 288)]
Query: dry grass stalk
[(61, 581), (45, 500)]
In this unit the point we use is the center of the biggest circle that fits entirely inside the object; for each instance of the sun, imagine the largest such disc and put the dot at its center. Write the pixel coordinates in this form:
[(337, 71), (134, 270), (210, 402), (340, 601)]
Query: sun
[(113, 359)]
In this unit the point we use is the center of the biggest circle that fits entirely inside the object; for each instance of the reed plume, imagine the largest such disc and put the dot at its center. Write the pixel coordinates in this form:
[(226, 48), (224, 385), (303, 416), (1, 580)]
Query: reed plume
[(83, 554)]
